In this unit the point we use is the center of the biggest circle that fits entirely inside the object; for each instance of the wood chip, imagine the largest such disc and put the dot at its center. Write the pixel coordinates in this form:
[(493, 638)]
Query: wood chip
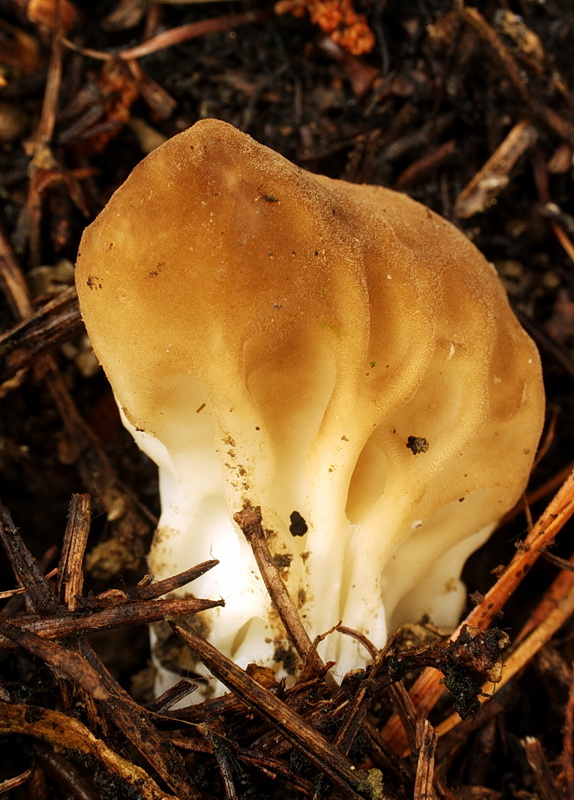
[(481, 192)]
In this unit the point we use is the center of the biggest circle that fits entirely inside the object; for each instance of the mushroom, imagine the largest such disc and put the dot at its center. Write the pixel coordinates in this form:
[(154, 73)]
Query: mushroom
[(336, 354)]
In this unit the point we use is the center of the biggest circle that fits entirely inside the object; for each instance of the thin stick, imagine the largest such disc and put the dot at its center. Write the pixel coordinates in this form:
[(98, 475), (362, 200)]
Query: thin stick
[(567, 757), (70, 573), (427, 689), (249, 520), (426, 745), (62, 731), (307, 739), (523, 654), (177, 35), (121, 615)]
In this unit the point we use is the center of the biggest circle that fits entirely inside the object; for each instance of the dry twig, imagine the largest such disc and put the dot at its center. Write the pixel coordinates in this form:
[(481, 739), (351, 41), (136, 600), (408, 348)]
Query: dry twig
[(428, 688)]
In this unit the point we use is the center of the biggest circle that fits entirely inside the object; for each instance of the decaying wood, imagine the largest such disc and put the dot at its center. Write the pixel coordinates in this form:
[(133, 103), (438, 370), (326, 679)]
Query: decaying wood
[(320, 751), (567, 758), (426, 741), (63, 731), (39, 333), (428, 688), (80, 96), (78, 661), (493, 177), (541, 768), (80, 615), (249, 520), (121, 615)]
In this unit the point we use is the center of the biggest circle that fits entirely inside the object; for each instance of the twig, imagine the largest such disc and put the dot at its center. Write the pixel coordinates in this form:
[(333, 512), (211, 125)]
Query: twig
[(214, 734), (426, 741), (12, 783), (427, 689), (426, 164), (71, 664), (56, 322), (47, 121), (563, 238), (136, 725), (562, 127), (450, 742), (550, 614), (70, 573), (171, 696), (308, 740), (567, 757), (61, 730), (121, 615), (557, 219), (249, 520), (25, 566), (177, 35), (12, 280), (42, 157), (80, 663), (359, 704), (360, 637), (419, 137), (274, 768), (493, 176), (67, 775), (10, 593), (405, 711), (541, 769), (148, 588)]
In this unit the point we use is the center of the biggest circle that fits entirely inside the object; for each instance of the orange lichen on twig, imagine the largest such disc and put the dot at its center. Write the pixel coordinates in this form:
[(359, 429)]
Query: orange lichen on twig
[(337, 18)]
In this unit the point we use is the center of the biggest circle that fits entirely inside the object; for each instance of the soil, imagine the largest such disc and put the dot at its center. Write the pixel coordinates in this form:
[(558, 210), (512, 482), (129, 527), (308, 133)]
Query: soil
[(468, 109)]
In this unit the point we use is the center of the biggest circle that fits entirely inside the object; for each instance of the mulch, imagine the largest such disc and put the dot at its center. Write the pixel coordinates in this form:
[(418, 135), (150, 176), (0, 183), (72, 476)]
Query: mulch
[(467, 108)]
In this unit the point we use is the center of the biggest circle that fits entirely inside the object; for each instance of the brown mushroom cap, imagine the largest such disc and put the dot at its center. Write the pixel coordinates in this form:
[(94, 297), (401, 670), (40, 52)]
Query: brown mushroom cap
[(347, 353)]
